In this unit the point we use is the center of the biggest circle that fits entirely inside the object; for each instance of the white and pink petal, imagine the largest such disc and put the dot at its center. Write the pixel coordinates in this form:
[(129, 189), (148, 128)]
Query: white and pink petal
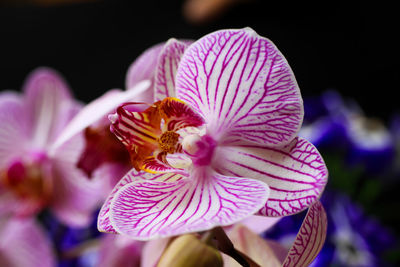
[(310, 239), (243, 86), (148, 209), (168, 62), (103, 221), (295, 173)]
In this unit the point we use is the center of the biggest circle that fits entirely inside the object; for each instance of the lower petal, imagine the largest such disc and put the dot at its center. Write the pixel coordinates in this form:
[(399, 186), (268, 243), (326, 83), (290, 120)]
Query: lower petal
[(148, 209), (103, 221)]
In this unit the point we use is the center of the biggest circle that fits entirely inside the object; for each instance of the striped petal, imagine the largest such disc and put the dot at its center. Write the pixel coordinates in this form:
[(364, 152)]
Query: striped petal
[(167, 66), (103, 221), (149, 209), (243, 86), (177, 115), (158, 164), (98, 109), (295, 173), (138, 131), (46, 93), (310, 239)]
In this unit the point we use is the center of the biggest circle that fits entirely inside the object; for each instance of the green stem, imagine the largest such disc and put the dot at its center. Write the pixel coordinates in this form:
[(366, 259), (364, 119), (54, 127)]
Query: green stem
[(225, 245)]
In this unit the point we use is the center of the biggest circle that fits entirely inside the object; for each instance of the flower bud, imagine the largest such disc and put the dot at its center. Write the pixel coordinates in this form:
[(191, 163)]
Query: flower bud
[(187, 250)]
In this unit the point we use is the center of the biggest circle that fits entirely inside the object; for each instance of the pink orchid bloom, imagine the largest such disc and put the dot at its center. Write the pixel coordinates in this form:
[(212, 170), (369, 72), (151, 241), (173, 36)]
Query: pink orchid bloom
[(233, 112), (34, 174), (23, 243)]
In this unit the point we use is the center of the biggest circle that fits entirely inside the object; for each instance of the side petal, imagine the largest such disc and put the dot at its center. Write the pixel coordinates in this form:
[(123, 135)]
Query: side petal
[(98, 109), (46, 92), (103, 221), (168, 62), (146, 210), (243, 86), (144, 68), (296, 173), (310, 239), (24, 243), (15, 127)]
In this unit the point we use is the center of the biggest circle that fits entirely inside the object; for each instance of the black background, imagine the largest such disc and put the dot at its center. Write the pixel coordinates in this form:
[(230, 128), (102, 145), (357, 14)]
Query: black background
[(349, 46)]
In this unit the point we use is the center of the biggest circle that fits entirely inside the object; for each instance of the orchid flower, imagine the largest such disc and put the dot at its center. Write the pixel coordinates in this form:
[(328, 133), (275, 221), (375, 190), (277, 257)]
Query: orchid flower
[(33, 175), (24, 243), (238, 93)]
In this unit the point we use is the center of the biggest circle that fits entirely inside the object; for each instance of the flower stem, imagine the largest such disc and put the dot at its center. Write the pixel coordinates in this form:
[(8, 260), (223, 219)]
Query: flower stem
[(225, 245)]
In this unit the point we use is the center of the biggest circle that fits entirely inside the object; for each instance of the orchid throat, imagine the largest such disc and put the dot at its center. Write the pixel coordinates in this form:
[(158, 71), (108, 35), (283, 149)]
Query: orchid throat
[(166, 127)]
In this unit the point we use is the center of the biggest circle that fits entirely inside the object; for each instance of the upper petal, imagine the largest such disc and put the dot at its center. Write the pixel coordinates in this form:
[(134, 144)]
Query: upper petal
[(46, 93), (164, 84), (243, 86), (143, 68), (310, 239), (295, 173), (98, 109), (15, 127), (148, 209)]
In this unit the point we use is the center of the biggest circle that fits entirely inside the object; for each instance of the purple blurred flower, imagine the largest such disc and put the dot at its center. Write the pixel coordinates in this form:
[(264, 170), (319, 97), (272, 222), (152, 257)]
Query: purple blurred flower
[(23, 243), (35, 174), (241, 91)]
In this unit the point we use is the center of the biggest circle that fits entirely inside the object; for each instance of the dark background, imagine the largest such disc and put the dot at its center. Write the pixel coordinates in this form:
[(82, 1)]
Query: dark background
[(349, 46)]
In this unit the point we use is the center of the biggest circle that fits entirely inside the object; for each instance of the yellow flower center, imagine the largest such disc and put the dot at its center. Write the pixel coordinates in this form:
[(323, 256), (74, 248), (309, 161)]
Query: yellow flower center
[(168, 141)]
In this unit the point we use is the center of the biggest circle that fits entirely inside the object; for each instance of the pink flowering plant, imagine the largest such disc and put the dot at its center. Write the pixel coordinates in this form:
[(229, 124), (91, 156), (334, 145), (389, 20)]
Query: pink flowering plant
[(218, 145), (34, 174)]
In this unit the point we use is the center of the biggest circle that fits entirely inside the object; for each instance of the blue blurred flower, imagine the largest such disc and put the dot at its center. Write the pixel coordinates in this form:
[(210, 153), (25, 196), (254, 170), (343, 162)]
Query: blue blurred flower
[(334, 123)]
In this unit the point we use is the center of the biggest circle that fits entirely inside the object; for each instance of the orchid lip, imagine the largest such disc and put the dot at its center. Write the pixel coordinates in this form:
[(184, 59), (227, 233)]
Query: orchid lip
[(151, 134)]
